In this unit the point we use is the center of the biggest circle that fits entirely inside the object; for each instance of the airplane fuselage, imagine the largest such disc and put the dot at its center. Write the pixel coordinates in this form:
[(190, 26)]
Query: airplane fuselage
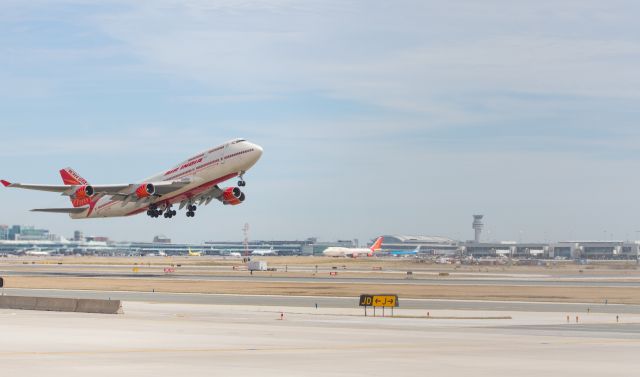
[(201, 173), (346, 252)]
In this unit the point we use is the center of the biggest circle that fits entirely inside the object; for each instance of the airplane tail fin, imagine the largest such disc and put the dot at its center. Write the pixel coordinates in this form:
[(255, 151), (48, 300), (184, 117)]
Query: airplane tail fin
[(376, 245), (71, 178)]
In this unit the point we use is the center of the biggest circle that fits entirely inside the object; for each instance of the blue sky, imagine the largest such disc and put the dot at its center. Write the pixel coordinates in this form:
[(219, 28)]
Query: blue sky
[(376, 117)]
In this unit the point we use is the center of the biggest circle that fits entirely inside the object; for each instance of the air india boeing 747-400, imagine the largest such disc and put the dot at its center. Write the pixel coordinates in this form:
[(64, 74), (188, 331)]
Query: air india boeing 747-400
[(194, 181)]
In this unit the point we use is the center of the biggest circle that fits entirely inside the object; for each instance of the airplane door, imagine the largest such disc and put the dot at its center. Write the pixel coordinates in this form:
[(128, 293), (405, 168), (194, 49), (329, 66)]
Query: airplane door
[(224, 153)]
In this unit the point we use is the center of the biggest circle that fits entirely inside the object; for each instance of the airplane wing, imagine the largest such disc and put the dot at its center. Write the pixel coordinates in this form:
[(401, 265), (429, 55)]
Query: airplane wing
[(120, 190), (206, 197), (65, 189), (126, 193), (50, 188), (60, 210)]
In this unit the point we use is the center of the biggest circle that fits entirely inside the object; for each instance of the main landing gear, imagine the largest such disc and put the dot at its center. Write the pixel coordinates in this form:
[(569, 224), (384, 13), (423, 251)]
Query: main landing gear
[(169, 213), (154, 212), (191, 210)]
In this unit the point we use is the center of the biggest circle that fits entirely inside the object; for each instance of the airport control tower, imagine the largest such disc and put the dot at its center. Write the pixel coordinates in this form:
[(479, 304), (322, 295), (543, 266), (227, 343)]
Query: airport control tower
[(477, 226)]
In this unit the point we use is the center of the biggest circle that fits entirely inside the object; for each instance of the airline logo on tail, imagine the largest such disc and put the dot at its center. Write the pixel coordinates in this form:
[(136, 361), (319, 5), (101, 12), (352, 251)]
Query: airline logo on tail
[(376, 246), (71, 178)]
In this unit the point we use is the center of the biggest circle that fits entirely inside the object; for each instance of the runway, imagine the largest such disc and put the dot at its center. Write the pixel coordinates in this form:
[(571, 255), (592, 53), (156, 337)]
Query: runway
[(326, 302), (262, 277)]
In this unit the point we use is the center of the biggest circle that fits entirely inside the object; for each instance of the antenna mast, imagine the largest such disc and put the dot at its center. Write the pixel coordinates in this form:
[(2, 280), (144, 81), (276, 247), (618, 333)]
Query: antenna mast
[(245, 242)]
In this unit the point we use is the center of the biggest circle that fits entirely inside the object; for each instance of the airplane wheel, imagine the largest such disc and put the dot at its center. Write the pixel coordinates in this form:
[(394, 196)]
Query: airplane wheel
[(242, 183), (173, 213)]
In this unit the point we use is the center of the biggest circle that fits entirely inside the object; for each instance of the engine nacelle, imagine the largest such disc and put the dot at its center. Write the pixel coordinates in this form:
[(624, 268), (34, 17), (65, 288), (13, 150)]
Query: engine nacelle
[(232, 196), (84, 192), (145, 190)]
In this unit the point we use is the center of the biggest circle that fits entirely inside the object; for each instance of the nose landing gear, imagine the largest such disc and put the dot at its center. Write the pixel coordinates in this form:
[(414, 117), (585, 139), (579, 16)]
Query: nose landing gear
[(241, 182)]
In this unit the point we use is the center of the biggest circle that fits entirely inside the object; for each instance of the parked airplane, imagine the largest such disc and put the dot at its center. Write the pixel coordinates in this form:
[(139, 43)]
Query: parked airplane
[(404, 253), (195, 253), (265, 252), (193, 181), (353, 252), (36, 252)]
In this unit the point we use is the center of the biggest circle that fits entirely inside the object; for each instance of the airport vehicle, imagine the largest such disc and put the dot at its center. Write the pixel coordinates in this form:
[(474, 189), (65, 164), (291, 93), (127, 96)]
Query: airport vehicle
[(257, 266), (194, 181), (335, 251), (195, 253), (405, 253), (265, 252)]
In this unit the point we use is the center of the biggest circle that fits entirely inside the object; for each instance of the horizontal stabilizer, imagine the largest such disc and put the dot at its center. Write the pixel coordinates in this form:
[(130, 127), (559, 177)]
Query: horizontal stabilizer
[(60, 210)]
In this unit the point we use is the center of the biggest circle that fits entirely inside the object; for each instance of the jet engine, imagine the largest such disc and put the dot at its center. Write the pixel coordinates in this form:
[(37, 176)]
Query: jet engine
[(232, 196), (84, 192), (145, 190)]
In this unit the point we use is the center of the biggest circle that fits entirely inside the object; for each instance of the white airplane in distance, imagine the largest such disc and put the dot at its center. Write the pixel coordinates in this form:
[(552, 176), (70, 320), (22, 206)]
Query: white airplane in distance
[(37, 252), (192, 181), (335, 251), (265, 252)]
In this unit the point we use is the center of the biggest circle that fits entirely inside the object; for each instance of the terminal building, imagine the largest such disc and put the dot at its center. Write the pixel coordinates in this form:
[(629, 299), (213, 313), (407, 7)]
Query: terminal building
[(431, 245), (18, 239)]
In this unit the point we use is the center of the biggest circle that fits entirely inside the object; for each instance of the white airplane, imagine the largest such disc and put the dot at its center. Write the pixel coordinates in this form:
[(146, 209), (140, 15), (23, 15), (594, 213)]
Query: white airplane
[(353, 252), (192, 181), (37, 252), (265, 252)]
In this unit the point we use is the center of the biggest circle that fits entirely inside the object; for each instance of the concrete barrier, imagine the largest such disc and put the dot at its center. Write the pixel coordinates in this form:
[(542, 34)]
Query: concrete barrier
[(61, 304), (99, 306), (18, 302)]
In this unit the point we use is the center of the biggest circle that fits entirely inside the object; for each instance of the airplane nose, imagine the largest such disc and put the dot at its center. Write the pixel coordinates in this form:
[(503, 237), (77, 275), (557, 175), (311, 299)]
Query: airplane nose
[(258, 150)]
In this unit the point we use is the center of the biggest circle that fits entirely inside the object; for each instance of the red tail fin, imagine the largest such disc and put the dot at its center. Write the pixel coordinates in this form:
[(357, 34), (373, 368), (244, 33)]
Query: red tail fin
[(376, 245), (71, 178)]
